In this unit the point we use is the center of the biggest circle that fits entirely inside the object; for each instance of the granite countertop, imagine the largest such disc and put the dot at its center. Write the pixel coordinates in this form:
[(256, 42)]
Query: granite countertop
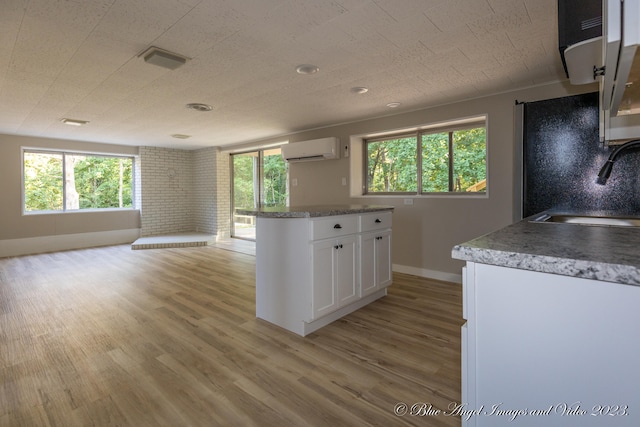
[(605, 253), (312, 211)]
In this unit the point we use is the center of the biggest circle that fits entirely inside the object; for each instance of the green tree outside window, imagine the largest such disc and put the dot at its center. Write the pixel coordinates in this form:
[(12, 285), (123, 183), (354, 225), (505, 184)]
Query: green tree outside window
[(453, 161), (69, 181)]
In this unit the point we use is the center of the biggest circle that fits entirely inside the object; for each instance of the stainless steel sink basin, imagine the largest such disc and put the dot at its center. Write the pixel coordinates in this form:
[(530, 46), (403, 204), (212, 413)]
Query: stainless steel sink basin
[(609, 221)]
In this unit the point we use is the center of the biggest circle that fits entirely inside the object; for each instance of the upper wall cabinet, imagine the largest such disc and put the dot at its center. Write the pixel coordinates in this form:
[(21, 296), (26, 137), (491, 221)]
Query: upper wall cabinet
[(620, 84), (599, 41), (580, 38)]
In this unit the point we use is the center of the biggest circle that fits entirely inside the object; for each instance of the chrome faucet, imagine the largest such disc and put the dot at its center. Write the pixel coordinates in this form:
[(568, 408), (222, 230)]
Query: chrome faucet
[(605, 171)]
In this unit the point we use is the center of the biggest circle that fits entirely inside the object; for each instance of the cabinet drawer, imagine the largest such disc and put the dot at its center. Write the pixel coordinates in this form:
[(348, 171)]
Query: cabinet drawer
[(333, 226), (375, 221)]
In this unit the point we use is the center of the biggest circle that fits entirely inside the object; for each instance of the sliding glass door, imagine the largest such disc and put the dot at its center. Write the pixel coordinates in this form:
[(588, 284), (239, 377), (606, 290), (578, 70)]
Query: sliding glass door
[(259, 178)]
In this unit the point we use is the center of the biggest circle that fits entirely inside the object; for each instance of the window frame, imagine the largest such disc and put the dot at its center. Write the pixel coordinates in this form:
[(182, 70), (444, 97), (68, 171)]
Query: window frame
[(259, 187), (64, 153), (365, 152), (417, 133)]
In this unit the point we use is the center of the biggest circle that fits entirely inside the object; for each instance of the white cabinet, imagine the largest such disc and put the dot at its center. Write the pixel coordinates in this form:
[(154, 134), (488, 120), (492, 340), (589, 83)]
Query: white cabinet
[(312, 271), (548, 349), (619, 95), (375, 252), (344, 268), (324, 297), (375, 256), (334, 278)]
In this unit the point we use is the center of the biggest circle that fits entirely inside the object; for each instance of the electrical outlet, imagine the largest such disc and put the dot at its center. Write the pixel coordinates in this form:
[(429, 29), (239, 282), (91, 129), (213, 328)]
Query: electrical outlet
[(408, 201), (294, 182)]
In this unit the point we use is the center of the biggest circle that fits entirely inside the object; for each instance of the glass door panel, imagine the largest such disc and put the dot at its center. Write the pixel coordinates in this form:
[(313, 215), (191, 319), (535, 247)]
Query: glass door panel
[(259, 179), (245, 173), (274, 179)]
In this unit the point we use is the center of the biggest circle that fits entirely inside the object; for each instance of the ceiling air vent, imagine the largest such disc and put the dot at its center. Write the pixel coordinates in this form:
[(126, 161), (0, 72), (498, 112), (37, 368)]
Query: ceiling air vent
[(163, 58)]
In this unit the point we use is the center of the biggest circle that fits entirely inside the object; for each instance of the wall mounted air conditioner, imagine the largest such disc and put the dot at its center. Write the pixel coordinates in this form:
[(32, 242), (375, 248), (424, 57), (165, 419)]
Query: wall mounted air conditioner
[(316, 149)]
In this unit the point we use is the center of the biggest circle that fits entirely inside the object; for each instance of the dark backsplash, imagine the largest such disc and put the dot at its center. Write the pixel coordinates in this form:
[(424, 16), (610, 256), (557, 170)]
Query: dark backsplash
[(562, 157)]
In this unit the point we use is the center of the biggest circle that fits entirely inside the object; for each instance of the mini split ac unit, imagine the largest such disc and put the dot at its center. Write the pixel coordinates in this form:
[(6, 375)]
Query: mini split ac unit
[(316, 149)]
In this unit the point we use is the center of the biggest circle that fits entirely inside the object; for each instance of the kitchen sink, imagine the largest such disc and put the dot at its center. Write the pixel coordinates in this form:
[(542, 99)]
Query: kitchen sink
[(610, 221)]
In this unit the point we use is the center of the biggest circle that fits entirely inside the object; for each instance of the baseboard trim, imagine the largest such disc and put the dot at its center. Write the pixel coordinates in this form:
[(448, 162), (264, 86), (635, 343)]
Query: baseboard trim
[(429, 274), (63, 242)]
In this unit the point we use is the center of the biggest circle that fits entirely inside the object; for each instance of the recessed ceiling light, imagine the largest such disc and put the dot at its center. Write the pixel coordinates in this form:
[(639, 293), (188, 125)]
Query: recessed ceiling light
[(307, 69), (199, 107), (359, 90), (181, 136), (74, 122), (393, 104), (163, 58)]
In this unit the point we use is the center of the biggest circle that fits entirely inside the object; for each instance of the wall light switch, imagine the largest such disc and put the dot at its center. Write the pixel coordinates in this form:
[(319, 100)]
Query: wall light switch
[(408, 201), (344, 181), (294, 182)]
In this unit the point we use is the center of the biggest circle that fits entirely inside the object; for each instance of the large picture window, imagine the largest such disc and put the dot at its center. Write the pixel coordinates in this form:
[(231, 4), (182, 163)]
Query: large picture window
[(64, 181), (451, 160)]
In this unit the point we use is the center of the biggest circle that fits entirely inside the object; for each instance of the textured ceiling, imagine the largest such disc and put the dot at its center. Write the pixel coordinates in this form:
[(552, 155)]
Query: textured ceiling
[(79, 59)]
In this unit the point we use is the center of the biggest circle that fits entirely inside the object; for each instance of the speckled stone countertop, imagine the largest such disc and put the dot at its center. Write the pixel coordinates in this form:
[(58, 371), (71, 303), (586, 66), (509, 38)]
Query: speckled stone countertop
[(611, 254), (312, 211)]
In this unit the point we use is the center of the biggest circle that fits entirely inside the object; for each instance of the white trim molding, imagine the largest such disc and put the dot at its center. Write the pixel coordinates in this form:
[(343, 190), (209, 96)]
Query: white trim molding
[(36, 245), (429, 274)]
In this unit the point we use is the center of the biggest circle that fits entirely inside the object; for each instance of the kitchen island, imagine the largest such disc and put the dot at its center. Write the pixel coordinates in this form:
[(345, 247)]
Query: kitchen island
[(315, 264), (551, 338)]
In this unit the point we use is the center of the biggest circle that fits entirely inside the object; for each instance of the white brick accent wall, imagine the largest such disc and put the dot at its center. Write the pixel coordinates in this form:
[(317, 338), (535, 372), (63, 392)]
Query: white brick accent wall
[(205, 191), (137, 182), (167, 191), (223, 195), (184, 191)]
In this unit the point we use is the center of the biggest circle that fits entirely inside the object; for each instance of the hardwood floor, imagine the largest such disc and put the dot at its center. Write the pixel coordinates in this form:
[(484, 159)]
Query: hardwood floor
[(111, 336)]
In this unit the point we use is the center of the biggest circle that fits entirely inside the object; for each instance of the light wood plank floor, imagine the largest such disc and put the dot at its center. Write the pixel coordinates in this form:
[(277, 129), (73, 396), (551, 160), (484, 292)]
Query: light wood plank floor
[(111, 336)]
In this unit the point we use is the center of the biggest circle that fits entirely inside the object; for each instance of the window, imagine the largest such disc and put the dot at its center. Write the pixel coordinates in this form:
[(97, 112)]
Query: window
[(62, 181), (392, 166), (453, 160)]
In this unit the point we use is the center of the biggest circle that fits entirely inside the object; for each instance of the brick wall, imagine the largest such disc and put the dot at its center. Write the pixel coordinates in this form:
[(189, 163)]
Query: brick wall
[(223, 195), (205, 194), (137, 182), (167, 191), (184, 191)]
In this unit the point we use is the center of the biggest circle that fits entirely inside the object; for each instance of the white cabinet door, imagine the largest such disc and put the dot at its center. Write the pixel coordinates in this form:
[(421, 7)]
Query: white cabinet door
[(334, 275), (367, 263), (375, 261), (346, 280), (383, 259), (323, 294)]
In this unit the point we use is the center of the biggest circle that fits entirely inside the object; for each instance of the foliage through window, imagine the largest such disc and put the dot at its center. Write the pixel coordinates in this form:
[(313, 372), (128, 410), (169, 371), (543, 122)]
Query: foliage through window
[(60, 181), (452, 160), (259, 178)]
